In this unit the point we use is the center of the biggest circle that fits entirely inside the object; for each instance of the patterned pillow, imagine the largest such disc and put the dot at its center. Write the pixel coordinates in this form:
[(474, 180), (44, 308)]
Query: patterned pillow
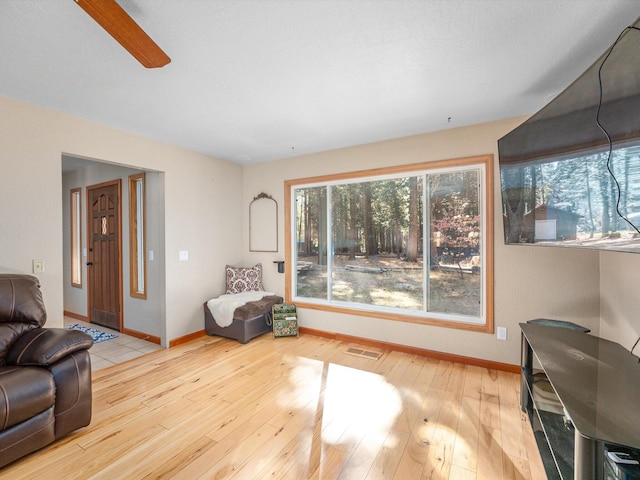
[(244, 279)]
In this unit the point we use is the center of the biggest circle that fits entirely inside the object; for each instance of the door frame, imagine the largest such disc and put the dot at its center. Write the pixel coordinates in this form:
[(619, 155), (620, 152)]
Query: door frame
[(118, 183)]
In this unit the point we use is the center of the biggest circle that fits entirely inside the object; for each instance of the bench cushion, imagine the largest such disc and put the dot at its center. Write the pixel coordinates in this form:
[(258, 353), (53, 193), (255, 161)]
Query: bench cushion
[(254, 309)]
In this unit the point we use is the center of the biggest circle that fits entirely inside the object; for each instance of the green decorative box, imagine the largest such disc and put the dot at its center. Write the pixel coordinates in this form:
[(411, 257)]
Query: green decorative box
[(285, 320)]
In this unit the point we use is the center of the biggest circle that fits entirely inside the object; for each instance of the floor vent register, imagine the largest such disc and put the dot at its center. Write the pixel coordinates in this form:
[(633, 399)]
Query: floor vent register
[(364, 353)]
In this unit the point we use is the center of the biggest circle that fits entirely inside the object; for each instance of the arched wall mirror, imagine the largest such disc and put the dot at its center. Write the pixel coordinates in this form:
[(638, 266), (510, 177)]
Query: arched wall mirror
[(263, 224)]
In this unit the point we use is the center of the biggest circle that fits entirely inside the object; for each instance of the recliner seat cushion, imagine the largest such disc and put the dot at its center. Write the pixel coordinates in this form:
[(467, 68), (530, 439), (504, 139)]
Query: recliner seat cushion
[(24, 393), (26, 437)]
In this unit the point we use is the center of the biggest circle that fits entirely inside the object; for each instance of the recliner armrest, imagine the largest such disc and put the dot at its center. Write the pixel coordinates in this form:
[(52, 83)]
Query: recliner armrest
[(45, 346)]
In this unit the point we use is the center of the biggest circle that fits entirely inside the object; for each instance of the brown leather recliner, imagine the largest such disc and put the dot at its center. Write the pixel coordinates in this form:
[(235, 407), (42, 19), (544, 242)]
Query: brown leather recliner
[(45, 373)]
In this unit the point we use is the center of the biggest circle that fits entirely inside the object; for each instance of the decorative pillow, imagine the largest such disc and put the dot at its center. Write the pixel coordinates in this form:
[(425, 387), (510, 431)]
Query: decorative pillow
[(244, 279)]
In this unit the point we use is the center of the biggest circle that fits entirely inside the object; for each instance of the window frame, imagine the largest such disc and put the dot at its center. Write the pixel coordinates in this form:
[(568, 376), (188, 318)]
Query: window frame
[(137, 236), (485, 162), (75, 220)]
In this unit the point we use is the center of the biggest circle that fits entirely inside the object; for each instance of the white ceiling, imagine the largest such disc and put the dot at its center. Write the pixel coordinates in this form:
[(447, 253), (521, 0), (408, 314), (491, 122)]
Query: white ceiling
[(257, 80)]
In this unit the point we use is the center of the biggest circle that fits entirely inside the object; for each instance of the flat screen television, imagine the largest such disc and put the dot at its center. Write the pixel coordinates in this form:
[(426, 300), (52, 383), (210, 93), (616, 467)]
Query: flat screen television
[(570, 174)]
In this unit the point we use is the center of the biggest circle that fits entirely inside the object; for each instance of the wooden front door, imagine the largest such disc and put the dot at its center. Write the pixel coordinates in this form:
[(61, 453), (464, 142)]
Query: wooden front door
[(103, 260)]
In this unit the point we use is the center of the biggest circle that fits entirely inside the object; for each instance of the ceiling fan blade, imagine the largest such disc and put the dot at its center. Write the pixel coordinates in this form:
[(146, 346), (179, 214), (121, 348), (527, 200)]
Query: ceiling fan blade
[(126, 31)]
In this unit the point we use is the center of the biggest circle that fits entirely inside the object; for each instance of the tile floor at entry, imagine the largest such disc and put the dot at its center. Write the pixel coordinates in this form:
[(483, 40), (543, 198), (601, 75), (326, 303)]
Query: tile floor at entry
[(116, 350)]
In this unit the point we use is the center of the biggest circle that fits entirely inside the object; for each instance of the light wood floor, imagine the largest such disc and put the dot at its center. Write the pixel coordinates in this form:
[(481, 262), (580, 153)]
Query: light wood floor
[(294, 409)]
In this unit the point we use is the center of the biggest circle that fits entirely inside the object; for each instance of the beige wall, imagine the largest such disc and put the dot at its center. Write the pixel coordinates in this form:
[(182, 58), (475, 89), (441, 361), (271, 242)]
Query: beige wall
[(206, 205), (530, 282), (202, 196), (620, 298)]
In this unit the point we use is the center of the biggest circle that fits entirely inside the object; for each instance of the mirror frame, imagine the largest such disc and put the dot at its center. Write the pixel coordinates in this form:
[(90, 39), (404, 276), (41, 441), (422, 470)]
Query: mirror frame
[(263, 224)]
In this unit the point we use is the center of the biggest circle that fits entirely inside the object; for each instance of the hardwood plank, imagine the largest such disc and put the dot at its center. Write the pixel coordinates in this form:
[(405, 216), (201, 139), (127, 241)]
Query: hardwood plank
[(490, 385), (294, 409), (221, 463), (254, 463), (332, 462), (363, 457), (410, 389), (515, 468), (386, 462), (490, 410), (456, 380), (458, 473), (465, 451), (164, 457), (440, 452), (511, 426), (489, 454), (472, 385), (289, 464), (414, 457), (293, 460), (509, 389)]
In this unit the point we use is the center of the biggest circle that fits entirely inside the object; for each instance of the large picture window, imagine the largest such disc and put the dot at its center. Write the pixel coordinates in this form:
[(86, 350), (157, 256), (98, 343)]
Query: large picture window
[(411, 243)]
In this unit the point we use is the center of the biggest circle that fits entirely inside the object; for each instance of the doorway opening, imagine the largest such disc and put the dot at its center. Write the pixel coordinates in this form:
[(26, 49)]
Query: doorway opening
[(98, 239)]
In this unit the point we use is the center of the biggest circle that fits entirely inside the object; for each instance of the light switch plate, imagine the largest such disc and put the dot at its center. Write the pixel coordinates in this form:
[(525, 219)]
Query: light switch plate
[(184, 255), (38, 266)]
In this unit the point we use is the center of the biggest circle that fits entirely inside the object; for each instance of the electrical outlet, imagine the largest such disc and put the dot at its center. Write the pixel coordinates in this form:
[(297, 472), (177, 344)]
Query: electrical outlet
[(502, 333), (184, 255)]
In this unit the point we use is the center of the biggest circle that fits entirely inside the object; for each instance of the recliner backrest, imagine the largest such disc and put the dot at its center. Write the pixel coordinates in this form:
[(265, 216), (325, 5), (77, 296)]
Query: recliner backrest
[(21, 300), (21, 309)]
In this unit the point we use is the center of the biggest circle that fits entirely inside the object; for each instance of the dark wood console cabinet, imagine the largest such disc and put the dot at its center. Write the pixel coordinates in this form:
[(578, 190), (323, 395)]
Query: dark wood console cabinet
[(581, 393)]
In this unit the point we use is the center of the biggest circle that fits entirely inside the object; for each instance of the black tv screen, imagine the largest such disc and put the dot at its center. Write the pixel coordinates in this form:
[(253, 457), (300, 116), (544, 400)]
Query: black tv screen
[(570, 175)]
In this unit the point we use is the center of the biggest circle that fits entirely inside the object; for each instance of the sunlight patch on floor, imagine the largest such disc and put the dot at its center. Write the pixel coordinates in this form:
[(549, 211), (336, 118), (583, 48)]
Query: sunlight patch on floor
[(354, 408), (354, 402), (358, 403)]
